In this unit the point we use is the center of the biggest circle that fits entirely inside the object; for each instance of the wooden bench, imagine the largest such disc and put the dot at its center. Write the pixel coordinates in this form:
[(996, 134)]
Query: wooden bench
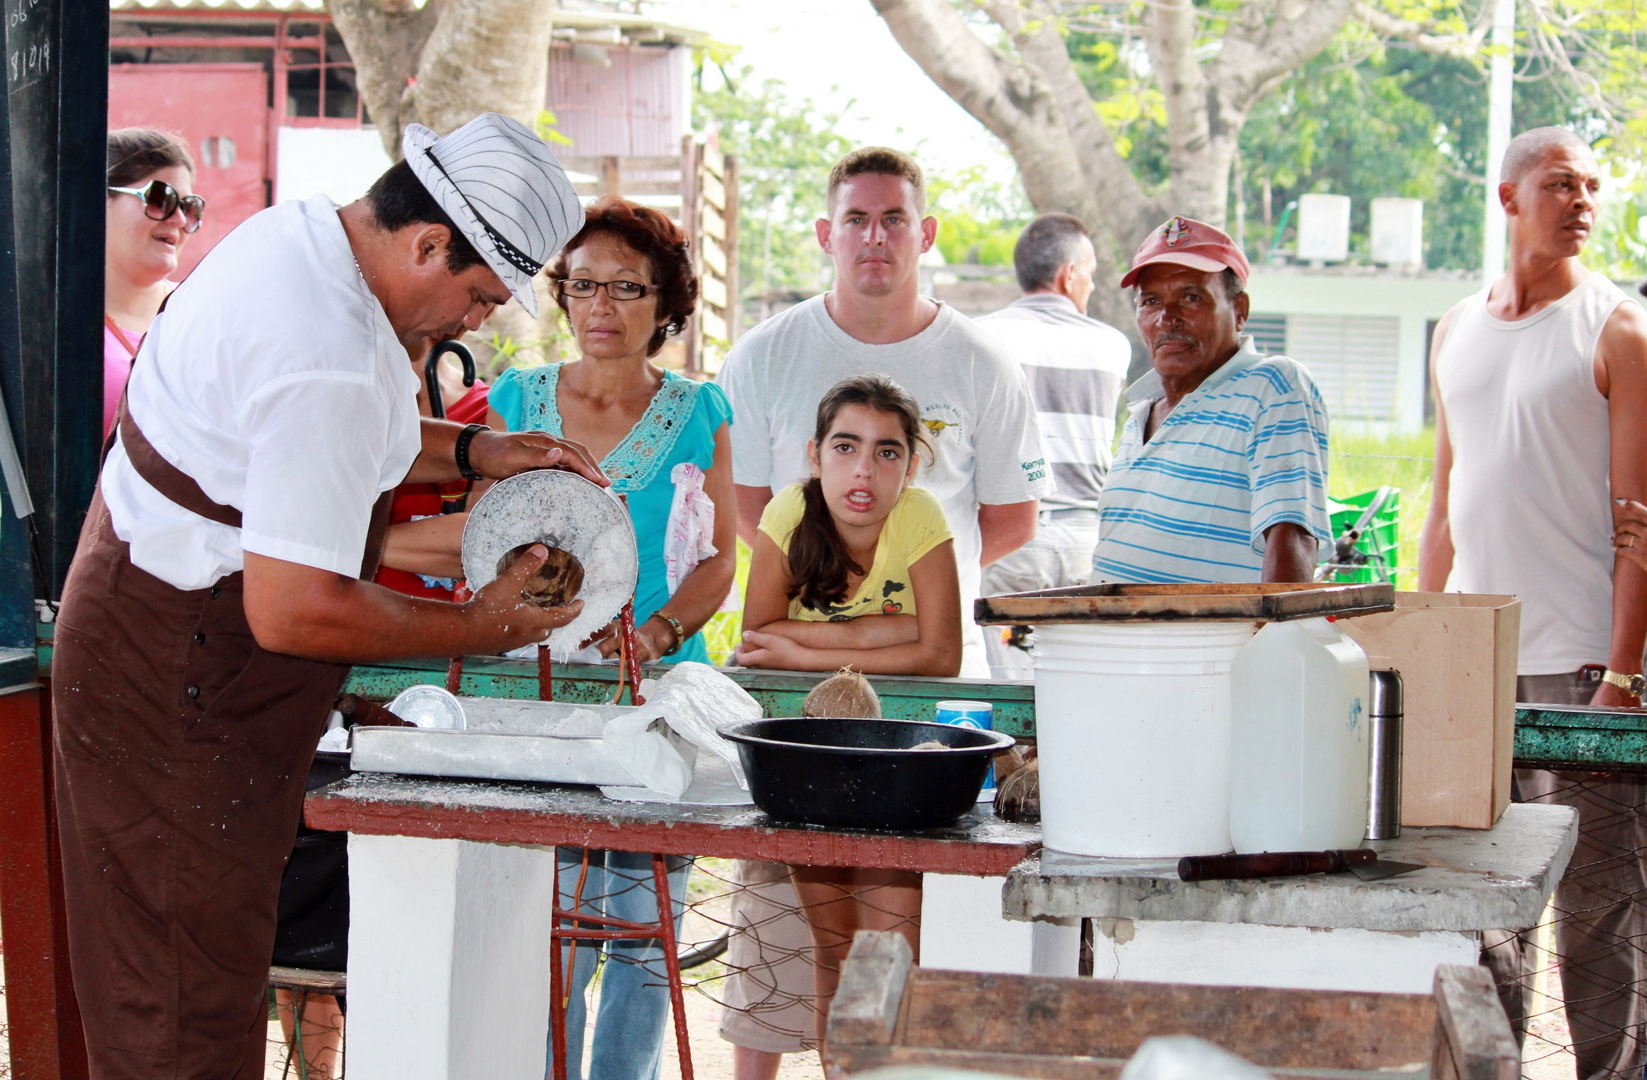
[(891, 1013)]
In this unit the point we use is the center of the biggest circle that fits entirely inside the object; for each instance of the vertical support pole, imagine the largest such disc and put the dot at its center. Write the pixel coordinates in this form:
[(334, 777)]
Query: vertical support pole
[(57, 81), (672, 962), (558, 978), (1501, 84), (277, 111), (611, 175), (691, 223), (18, 583), (734, 308)]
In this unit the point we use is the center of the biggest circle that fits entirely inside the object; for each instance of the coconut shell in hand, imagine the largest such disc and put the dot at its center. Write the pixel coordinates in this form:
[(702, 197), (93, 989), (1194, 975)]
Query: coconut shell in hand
[(557, 581), (845, 694)]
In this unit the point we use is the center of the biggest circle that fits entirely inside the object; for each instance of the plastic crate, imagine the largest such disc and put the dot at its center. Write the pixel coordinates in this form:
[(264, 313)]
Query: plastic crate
[(1381, 543)]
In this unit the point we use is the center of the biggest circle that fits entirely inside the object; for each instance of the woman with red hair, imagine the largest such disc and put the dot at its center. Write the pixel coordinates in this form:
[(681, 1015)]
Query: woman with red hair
[(626, 285)]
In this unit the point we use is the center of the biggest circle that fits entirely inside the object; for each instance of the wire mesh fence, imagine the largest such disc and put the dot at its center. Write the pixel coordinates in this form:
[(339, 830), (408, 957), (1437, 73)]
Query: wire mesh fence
[(1574, 986)]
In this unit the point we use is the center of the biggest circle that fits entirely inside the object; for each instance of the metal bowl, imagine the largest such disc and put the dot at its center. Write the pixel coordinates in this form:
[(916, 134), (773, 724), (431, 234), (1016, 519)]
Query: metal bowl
[(864, 774)]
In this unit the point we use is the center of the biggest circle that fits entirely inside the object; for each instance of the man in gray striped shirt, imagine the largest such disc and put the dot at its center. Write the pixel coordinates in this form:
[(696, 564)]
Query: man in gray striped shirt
[(1075, 366)]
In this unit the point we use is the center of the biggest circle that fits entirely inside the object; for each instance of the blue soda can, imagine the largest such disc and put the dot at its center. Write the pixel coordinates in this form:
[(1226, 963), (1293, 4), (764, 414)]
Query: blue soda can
[(978, 715)]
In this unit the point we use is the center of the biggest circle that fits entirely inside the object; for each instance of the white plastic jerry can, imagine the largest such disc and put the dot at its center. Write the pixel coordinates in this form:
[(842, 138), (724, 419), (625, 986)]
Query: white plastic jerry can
[(1299, 749)]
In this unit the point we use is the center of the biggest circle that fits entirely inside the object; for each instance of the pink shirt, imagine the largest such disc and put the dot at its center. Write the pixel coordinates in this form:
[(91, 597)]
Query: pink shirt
[(117, 365)]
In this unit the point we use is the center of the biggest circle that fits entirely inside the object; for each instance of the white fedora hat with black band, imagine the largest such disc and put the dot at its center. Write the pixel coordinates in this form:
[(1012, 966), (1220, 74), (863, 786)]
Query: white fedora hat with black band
[(504, 190)]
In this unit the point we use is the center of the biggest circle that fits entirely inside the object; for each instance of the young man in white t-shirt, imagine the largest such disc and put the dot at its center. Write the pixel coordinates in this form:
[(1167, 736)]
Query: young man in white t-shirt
[(988, 468)]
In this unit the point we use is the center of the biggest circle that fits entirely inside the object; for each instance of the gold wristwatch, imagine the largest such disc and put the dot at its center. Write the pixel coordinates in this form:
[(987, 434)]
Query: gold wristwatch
[(1630, 684)]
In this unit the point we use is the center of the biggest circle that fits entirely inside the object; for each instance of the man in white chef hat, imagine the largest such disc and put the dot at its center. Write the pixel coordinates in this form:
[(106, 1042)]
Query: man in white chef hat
[(222, 579)]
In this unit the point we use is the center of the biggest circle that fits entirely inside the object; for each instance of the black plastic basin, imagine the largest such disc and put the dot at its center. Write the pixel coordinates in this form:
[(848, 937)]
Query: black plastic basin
[(864, 774)]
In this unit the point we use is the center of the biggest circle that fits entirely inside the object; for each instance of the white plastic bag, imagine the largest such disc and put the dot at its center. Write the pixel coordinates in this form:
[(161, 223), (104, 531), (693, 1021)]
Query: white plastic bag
[(671, 740), (644, 744)]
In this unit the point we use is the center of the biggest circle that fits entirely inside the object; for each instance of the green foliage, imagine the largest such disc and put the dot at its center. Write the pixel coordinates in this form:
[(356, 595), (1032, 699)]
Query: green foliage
[(1370, 118), (1366, 120), (1618, 245), (785, 148), (979, 218), (548, 126)]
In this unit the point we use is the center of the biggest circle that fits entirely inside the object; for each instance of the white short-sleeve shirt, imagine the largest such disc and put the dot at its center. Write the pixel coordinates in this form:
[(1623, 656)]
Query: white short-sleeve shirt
[(975, 404), (275, 380)]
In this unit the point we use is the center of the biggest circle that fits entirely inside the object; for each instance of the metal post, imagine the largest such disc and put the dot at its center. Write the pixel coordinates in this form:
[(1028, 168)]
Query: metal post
[(57, 67), (1500, 86), (17, 584), (734, 240)]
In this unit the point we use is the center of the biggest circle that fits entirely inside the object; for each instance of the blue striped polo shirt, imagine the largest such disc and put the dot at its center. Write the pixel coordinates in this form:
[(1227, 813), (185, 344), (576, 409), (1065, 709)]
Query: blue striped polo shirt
[(1247, 449)]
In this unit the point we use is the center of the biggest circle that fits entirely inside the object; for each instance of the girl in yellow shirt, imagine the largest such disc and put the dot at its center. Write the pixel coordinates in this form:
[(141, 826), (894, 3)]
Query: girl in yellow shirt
[(856, 568)]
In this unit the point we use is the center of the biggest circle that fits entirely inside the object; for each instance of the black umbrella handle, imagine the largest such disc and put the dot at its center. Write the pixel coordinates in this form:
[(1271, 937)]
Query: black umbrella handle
[(431, 373)]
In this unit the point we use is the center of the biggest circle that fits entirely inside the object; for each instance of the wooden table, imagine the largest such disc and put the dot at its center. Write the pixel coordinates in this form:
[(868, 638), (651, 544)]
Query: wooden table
[(450, 883), (1322, 931)]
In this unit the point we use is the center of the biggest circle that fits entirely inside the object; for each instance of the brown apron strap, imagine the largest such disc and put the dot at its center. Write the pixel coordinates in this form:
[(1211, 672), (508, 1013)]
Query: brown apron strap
[(168, 479)]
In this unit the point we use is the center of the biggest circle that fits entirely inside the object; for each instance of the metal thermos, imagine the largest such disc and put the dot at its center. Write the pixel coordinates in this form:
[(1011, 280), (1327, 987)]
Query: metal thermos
[(1384, 777)]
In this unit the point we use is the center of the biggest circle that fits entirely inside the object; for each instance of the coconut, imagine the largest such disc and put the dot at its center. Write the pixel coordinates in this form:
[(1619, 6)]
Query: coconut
[(1018, 793), (844, 694), (557, 581)]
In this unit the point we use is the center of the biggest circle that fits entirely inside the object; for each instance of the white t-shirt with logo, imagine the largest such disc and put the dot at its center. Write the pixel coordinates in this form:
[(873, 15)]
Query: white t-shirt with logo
[(974, 402)]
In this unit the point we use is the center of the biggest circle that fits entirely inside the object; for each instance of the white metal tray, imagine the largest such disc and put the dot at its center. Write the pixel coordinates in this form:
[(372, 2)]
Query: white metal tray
[(485, 755), (505, 740)]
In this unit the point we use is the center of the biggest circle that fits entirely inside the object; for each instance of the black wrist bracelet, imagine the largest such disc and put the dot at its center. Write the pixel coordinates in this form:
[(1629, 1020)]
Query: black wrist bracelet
[(461, 450)]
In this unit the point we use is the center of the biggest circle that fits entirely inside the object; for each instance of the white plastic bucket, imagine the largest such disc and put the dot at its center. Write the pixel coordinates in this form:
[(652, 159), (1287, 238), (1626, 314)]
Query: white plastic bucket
[(1132, 722)]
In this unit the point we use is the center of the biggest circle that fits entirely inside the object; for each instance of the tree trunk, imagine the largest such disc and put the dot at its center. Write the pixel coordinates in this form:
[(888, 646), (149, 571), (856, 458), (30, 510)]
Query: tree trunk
[(485, 56), (1031, 96), (385, 39), (441, 66)]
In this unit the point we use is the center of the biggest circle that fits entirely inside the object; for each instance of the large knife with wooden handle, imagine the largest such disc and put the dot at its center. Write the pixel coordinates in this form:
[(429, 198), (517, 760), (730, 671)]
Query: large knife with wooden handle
[(1363, 862)]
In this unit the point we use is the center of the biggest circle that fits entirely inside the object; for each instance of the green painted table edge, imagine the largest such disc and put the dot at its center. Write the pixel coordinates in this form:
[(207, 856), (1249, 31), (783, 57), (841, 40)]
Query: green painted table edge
[(1611, 741), (779, 692), (1544, 738)]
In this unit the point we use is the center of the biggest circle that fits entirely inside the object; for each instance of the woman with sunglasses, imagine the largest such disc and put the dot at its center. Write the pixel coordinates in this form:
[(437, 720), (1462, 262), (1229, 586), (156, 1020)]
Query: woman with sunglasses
[(152, 212), (626, 285)]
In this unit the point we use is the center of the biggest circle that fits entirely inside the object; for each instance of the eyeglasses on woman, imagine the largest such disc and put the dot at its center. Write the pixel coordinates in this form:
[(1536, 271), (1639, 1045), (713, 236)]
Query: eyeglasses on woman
[(584, 289)]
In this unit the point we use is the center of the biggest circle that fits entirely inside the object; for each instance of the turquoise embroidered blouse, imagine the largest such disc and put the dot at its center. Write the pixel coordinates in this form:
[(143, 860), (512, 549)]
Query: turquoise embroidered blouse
[(679, 425)]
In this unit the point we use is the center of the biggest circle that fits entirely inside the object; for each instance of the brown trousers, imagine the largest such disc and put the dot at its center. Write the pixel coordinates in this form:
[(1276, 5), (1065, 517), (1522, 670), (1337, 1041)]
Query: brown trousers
[(181, 753), (1598, 906)]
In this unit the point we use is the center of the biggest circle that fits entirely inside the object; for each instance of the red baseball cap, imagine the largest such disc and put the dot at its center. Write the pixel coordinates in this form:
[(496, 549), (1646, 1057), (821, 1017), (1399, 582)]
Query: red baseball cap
[(1191, 243)]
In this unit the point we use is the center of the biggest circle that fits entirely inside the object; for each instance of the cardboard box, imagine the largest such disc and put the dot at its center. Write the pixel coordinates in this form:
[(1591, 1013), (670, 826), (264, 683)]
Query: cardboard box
[(1456, 653)]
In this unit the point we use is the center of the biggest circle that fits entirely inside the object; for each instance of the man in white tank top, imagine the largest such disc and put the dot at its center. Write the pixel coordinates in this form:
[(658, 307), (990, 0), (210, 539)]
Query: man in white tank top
[(1541, 420)]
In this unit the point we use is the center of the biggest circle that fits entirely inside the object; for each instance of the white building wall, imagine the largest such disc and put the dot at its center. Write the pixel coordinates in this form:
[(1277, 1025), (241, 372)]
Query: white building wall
[(1354, 294)]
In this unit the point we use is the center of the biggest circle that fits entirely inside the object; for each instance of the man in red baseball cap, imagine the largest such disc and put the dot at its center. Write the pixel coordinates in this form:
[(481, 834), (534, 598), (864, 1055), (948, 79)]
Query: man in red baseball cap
[(1195, 244), (1222, 471)]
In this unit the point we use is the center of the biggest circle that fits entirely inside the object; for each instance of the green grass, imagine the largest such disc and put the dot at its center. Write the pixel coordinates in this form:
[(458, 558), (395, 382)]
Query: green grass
[(1366, 462)]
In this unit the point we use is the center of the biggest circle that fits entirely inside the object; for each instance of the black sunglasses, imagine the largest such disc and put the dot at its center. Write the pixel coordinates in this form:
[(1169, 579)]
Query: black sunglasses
[(161, 201)]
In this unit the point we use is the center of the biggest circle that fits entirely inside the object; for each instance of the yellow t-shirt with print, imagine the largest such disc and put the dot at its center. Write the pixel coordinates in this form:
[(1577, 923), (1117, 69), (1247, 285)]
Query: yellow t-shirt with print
[(915, 526)]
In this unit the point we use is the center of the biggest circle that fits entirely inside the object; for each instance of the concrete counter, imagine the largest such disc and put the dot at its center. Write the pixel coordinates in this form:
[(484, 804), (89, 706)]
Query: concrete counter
[(1473, 880), (1321, 931)]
